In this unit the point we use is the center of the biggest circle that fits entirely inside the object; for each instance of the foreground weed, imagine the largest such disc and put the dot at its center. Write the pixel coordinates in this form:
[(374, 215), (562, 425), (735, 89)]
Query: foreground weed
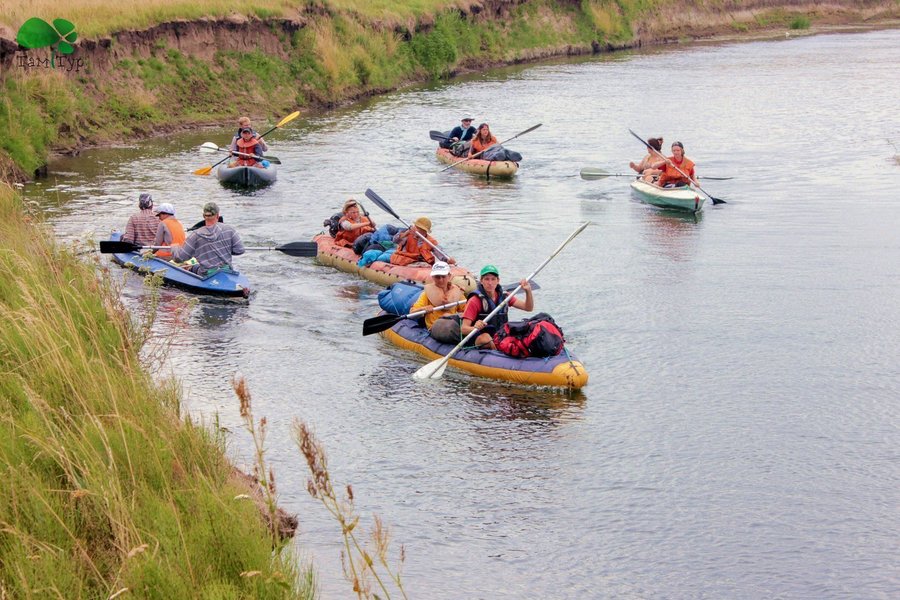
[(360, 567)]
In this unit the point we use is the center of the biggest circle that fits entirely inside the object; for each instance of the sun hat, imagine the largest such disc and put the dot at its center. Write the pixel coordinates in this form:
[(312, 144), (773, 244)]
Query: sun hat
[(165, 207), (440, 268), (350, 202), (210, 207), (487, 270), (423, 223), (145, 201), (467, 119)]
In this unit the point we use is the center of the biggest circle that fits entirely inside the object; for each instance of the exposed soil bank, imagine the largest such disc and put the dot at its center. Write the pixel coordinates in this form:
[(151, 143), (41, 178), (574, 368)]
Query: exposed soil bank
[(138, 83)]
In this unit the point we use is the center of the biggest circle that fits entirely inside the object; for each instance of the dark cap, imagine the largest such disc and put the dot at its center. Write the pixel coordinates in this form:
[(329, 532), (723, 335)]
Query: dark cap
[(246, 130)]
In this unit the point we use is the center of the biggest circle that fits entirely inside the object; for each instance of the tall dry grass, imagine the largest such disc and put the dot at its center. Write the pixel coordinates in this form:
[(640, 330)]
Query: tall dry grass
[(105, 491)]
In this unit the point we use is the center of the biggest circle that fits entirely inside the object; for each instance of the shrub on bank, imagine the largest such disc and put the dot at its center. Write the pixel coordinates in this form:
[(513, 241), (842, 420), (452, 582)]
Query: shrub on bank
[(106, 489)]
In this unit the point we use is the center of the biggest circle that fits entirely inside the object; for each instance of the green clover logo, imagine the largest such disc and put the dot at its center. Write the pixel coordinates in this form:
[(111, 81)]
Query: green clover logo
[(38, 33)]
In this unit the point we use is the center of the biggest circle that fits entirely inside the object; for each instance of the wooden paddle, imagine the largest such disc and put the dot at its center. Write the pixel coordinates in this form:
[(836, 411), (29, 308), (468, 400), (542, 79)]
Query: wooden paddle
[(385, 322), (371, 195), (304, 249), (435, 369), (281, 123), (210, 147), (652, 149), (591, 173), (479, 153)]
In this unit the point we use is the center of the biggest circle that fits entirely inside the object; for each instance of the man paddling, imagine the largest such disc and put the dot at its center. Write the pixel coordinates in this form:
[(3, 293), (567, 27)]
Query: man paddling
[(212, 245), (170, 231), (442, 326), (141, 227)]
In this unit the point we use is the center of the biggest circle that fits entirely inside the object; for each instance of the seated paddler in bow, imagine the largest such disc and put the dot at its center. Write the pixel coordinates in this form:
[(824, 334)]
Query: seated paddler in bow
[(250, 148), (675, 167), (440, 323), (415, 245), (352, 225), (485, 299)]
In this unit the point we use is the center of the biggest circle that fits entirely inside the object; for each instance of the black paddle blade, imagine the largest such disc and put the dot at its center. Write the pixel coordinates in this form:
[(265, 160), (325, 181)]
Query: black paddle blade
[(307, 249), (437, 136), (371, 195), (717, 200), (380, 323), (200, 224), (110, 247)]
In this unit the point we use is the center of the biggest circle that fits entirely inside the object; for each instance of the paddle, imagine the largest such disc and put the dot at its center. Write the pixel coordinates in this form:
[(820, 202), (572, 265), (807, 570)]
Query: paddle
[(590, 173), (479, 153), (210, 147), (384, 322), (281, 123), (438, 136), (435, 369), (652, 149), (202, 223), (371, 195), (305, 249)]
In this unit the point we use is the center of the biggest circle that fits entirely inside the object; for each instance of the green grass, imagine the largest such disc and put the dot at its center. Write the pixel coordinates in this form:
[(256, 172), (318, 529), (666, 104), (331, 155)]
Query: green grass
[(105, 487), (800, 22)]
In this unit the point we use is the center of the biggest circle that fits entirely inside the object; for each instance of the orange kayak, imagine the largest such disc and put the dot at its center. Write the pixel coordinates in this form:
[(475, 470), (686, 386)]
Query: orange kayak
[(383, 273), (488, 168)]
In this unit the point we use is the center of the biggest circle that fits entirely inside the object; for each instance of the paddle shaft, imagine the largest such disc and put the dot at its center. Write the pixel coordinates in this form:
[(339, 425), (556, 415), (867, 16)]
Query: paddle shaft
[(588, 173), (435, 369), (688, 177), (308, 249), (371, 195), (489, 147), (236, 153)]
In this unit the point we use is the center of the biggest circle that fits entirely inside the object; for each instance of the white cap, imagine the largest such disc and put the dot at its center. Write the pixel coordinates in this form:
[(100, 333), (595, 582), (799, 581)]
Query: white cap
[(165, 207), (440, 268)]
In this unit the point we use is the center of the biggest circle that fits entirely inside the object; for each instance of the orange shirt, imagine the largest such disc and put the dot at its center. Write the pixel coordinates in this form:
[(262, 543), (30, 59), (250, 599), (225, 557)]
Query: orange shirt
[(671, 175), (478, 146)]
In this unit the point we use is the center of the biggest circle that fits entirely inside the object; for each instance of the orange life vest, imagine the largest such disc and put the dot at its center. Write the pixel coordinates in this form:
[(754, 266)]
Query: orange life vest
[(176, 230), (346, 238), (671, 175), (411, 249), (247, 147)]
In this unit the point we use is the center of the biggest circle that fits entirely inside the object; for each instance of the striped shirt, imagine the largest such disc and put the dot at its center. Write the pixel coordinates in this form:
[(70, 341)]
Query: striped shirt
[(141, 227), (213, 247)]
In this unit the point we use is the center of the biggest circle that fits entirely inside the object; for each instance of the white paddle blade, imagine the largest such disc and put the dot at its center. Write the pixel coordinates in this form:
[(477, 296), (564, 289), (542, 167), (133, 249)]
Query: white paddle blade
[(209, 147), (593, 173), (433, 370)]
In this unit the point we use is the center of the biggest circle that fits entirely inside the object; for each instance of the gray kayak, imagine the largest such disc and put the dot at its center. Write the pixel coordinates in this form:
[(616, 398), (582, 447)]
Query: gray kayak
[(247, 176)]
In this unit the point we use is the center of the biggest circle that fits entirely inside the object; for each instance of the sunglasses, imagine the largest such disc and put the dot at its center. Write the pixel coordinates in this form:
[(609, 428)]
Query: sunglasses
[(209, 214)]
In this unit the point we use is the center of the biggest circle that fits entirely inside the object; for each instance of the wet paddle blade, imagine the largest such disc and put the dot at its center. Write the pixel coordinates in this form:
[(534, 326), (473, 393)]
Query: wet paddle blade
[(307, 249), (288, 118), (203, 171), (110, 247), (371, 195), (380, 323), (209, 147), (433, 370), (591, 173), (437, 136)]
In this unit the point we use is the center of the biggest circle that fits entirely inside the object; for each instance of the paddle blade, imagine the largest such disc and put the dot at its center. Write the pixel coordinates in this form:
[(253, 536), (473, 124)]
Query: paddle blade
[(590, 173), (209, 147), (203, 171), (307, 249), (371, 195), (273, 159), (288, 118), (717, 200), (433, 370), (437, 136), (111, 247), (380, 323)]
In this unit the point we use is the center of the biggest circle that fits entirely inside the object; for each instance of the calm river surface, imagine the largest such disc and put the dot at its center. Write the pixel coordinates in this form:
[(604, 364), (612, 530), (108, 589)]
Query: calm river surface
[(739, 434)]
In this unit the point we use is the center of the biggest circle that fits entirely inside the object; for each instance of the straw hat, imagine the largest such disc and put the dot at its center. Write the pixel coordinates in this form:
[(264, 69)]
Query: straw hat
[(423, 223)]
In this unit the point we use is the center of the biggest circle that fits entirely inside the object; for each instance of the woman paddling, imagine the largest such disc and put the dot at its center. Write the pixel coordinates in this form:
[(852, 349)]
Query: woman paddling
[(670, 175), (645, 167), (483, 140)]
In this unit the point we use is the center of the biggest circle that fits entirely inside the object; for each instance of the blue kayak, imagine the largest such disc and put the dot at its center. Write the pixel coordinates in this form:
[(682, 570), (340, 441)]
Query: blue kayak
[(223, 283)]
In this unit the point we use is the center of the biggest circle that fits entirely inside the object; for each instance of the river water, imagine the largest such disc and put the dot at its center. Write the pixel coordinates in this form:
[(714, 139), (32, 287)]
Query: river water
[(739, 434)]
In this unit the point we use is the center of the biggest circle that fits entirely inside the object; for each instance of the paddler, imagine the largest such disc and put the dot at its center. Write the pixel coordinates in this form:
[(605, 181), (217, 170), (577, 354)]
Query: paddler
[(442, 325), (212, 245), (485, 299), (412, 246), (169, 232), (670, 176)]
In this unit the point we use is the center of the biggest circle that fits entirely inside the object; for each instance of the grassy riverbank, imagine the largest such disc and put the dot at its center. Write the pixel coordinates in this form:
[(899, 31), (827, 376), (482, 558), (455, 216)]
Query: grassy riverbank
[(170, 63), (106, 488)]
